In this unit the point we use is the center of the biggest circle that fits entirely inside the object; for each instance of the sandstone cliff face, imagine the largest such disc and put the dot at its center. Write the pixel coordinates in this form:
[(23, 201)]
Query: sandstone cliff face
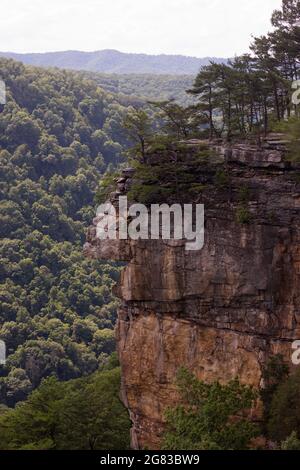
[(222, 311)]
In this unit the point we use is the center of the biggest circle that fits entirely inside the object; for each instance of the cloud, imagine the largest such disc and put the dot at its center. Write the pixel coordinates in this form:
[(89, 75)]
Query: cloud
[(192, 27)]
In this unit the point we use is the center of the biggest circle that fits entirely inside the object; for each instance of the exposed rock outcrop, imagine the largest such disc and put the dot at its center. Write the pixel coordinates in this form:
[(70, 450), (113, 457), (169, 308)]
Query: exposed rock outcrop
[(222, 311)]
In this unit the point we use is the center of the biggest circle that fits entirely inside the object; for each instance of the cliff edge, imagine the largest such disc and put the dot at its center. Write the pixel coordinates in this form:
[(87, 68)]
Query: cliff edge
[(222, 311)]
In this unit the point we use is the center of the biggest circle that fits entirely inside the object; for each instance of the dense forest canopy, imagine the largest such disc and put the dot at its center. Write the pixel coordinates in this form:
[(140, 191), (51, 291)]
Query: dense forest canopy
[(148, 86), (58, 133)]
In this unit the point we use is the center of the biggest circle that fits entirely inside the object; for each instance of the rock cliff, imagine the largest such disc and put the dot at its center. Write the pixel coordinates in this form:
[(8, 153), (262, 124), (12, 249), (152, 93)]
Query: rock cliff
[(222, 311)]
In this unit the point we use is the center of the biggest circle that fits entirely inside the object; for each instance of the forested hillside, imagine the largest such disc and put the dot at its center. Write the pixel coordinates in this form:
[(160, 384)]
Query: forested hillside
[(111, 61), (147, 86), (58, 133)]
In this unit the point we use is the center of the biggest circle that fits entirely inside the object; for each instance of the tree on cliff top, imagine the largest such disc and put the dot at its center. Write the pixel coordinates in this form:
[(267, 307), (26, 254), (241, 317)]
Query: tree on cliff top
[(178, 121), (246, 95), (138, 126)]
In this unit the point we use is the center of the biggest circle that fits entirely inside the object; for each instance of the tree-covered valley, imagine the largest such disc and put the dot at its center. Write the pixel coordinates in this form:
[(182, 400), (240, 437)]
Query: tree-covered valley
[(147, 87), (59, 132)]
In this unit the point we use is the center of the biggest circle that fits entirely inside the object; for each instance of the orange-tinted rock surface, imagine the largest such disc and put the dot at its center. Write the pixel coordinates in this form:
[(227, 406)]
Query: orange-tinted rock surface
[(222, 311)]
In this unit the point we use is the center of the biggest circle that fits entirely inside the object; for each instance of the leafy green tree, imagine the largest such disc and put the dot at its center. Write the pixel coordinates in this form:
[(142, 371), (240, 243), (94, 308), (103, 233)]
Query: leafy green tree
[(96, 413), (17, 385), (104, 341), (291, 129), (245, 95), (181, 122), (204, 88), (212, 416), (11, 217), (23, 129), (84, 414), (139, 128)]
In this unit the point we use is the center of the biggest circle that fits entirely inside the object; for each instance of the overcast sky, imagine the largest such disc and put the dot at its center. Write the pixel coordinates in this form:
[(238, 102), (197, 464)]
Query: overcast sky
[(192, 27)]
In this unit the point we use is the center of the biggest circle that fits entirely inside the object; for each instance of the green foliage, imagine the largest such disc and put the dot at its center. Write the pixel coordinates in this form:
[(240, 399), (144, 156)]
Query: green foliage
[(138, 126), (148, 193), (291, 129), (291, 443), (246, 95), (82, 414), (244, 194), (275, 372), (106, 187), (222, 179), (179, 122), (196, 188), (160, 143), (58, 133), (137, 88), (243, 215), (172, 173), (211, 418), (284, 416)]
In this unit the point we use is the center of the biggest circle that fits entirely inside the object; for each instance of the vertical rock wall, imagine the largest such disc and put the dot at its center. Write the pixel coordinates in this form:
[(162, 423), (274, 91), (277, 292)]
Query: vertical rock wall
[(222, 311)]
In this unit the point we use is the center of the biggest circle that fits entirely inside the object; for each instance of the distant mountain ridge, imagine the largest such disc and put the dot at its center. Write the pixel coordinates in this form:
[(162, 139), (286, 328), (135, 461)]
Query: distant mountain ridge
[(112, 61)]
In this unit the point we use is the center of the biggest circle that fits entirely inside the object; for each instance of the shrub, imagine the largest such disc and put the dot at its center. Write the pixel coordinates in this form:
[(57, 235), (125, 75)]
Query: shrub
[(291, 443), (275, 373), (222, 179), (243, 215), (285, 409), (106, 187), (211, 417)]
